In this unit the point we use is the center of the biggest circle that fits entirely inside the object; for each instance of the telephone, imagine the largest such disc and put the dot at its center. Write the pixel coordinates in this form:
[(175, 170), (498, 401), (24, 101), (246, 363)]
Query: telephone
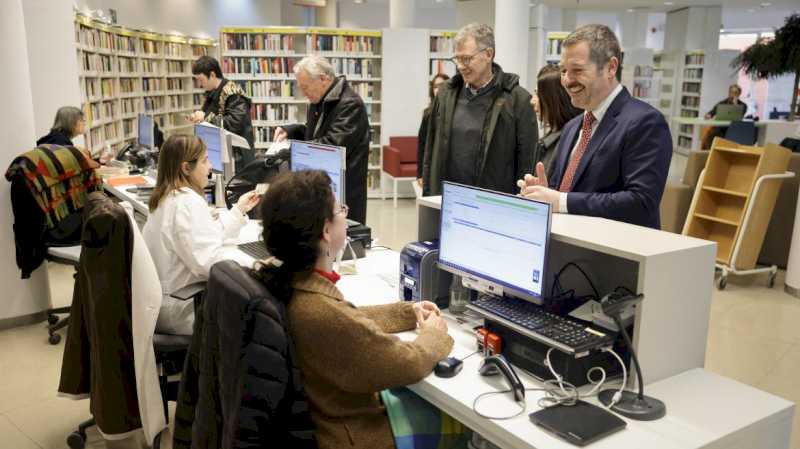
[(498, 364)]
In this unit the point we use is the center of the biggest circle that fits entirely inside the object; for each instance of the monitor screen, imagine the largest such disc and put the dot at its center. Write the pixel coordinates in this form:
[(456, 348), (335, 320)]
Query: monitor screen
[(495, 237), (213, 138), (313, 156), (146, 133)]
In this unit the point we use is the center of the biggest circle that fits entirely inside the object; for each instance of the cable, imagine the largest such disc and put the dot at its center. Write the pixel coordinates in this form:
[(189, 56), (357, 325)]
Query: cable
[(557, 279), (522, 405), (465, 358)]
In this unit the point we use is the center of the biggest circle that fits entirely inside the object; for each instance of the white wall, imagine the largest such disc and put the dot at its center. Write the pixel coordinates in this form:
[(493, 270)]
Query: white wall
[(437, 18), (655, 39), (759, 18), (54, 72), (372, 15), (30, 296), (469, 11), (193, 17)]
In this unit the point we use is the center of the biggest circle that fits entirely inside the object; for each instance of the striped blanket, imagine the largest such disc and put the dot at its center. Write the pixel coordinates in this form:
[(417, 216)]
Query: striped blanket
[(416, 424), (60, 178)]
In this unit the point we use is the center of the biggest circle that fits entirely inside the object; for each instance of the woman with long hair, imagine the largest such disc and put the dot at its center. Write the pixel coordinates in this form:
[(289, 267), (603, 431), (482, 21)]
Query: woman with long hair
[(555, 110), (184, 238)]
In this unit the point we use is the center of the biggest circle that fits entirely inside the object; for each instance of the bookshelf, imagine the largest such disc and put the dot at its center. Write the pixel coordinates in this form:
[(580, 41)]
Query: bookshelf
[(639, 76), (703, 81), (442, 49), (725, 192), (553, 47), (664, 79), (124, 72), (261, 60)]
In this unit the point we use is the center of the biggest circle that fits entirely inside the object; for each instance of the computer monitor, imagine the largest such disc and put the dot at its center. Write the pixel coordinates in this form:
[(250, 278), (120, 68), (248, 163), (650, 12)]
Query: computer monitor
[(212, 137), (146, 131), (497, 242), (315, 156)]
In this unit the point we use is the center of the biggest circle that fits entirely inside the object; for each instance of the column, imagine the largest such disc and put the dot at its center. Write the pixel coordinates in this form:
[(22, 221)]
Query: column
[(512, 20), (538, 40), (633, 24), (402, 13), (328, 15), (22, 299)]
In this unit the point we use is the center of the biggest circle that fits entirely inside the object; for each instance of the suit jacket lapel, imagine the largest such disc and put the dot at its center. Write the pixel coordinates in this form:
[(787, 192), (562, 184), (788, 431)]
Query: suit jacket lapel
[(603, 130)]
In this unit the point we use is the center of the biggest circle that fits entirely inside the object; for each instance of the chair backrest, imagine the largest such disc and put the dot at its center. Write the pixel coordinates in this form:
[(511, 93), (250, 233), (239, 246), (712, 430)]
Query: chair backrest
[(407, 145), (245, 371), (742, 132)]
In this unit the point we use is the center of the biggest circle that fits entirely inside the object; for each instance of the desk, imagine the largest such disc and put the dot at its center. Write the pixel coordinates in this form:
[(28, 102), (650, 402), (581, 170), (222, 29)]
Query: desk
[(704, 410), (769, 131), (127, 193)]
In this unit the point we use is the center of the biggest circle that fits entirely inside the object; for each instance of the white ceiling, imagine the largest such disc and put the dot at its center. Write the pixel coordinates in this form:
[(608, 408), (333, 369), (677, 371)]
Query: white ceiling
[(659, 6)]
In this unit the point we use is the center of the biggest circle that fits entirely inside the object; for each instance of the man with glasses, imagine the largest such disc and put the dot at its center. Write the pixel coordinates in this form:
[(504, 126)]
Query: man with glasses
[(482, 130)]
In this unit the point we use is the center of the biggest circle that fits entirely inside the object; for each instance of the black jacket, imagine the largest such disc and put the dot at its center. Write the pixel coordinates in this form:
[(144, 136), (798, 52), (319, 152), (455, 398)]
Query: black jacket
[(239, 387), (508, 138), (421, 136), (55, 138), (343, 122)]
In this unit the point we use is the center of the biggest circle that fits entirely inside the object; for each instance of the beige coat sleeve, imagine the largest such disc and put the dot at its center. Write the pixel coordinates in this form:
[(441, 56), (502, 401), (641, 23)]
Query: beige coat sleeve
[(354, 353), (391, 318)]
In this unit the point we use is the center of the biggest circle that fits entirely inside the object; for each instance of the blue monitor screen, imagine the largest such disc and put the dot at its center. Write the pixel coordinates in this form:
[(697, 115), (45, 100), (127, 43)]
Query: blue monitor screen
[(146, 133), (497, 237), (330, 159), (213, 139)]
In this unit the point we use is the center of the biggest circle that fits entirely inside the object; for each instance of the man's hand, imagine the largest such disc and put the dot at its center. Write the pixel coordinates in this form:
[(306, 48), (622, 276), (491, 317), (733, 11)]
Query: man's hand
[(419, 182), (280, 135), (423, 309), (529, 181), (544, 194), (196, 117)]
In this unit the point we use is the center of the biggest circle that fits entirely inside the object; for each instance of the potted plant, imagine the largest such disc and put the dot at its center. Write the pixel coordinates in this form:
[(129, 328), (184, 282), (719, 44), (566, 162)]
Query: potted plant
[(770, 58)]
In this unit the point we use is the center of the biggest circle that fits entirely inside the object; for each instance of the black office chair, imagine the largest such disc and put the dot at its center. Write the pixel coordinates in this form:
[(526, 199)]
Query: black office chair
[(791, 143), (98, 352), (742, 132)]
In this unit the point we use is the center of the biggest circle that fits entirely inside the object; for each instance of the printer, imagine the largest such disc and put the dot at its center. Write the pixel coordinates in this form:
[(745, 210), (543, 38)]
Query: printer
[(420, 276), (359, 237)]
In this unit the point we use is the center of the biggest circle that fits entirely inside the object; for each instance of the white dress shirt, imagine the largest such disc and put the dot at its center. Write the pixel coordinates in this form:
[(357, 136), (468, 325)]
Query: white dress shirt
[(185, 240), (599, 112)]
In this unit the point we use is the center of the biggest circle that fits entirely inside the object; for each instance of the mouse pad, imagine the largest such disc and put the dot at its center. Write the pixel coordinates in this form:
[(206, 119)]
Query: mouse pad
[(578, 424)]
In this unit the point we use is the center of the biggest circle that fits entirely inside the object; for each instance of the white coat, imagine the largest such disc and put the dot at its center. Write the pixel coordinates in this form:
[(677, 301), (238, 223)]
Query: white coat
[(185, 240)]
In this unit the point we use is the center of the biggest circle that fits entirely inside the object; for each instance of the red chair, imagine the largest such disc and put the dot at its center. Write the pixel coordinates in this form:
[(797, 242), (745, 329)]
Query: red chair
[(400, 161)]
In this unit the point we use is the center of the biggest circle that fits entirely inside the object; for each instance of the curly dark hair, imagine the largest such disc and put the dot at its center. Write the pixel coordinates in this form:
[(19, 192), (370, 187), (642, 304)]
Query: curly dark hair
[(206, 65), (293, 212)]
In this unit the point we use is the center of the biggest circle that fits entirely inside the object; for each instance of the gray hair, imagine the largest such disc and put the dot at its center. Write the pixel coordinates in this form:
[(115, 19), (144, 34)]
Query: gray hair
[(67, 118), (315, 66), (482, 33), (603, 43)]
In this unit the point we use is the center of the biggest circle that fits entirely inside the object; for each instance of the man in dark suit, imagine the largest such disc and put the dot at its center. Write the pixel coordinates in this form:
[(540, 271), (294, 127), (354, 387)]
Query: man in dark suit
[(612, 160)]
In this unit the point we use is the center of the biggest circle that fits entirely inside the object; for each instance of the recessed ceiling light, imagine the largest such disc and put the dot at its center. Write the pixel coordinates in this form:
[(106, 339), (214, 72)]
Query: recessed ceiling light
[(751, 10), (631, 10), (669, 3), (765, 4)]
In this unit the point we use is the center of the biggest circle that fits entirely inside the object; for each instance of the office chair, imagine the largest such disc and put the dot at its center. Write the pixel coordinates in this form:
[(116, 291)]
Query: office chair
[(742, 132), (115, 291)]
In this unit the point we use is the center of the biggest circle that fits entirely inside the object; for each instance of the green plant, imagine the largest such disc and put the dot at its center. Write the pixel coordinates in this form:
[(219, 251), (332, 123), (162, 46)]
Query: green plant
[(770, 58)]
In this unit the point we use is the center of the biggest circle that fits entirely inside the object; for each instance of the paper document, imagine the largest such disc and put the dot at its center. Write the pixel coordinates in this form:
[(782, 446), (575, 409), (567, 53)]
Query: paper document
[(276, 147)]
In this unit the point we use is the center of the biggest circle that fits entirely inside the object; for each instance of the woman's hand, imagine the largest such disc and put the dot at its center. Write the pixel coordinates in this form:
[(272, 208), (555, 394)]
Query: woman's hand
[(423, 309), (433, 321), (248, 201)]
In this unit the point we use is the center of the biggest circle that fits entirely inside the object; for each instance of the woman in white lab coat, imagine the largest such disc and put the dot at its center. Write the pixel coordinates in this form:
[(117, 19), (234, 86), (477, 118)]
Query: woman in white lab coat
[(184, 237)]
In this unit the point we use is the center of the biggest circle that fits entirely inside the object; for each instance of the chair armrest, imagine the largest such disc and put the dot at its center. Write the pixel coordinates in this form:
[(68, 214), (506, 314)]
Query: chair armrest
[(391, 160), (191, 291)]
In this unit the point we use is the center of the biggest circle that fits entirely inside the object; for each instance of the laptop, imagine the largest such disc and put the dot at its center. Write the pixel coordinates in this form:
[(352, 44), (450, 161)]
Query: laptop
[(729, 112)]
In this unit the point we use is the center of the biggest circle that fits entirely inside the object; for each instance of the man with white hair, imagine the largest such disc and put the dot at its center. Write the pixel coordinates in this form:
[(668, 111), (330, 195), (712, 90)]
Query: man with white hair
[(482, 130), (336, 116)]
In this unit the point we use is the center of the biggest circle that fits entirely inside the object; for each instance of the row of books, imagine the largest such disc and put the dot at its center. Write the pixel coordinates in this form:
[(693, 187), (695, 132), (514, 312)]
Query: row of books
[(176, 101), (258, 66), (263, 134), (175, 84), (276, 112), (689, 113), (199, 50), (691, 87), (644, 71), (367, 91), (691, 102), (643, 89), (695, 59), (173, 49), (100, 111), (152, 84), (94, 38), (176, 66), (441, 66), (554, 46), (96, 63), (258, 41), (269, 88), (361, 44), (693, 73), (128, 85), (126, 65), (150, 47), (441, 44)]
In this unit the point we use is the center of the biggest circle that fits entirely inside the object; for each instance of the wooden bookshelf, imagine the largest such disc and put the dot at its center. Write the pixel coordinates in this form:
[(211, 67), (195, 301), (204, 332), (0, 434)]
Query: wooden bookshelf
[(124, 72), (726, 191), (261, 60)]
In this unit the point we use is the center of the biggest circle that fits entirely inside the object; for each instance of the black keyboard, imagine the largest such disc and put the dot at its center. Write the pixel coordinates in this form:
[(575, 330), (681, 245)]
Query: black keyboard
[(257, 250), (567, 334)]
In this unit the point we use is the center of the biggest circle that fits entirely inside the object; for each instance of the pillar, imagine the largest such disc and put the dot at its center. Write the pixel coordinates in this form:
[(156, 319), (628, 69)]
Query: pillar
[(512, 22)]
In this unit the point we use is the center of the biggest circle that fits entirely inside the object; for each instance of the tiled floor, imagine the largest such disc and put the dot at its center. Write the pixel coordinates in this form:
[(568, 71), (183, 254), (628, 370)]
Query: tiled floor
[(754, 337)]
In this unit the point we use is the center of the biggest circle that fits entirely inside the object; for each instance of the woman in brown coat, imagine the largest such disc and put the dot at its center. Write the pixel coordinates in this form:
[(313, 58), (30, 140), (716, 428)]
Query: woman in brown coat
[(346, 353)]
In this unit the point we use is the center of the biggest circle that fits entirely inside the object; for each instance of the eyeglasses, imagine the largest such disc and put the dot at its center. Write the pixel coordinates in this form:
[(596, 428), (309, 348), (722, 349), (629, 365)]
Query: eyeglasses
[(465, 60), (341, 209)]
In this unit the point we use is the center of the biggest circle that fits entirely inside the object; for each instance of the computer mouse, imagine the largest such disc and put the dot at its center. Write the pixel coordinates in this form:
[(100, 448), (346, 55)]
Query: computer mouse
[(448, 367)]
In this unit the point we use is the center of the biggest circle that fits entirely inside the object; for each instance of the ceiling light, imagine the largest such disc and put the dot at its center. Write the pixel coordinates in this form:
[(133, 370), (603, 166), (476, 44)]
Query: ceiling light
[(669, 3), (631, 10), (751, 10), (765, 4)]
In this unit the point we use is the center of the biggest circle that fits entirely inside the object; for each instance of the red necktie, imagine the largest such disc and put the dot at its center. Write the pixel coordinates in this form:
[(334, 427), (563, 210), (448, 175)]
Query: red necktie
[(575, 159)]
